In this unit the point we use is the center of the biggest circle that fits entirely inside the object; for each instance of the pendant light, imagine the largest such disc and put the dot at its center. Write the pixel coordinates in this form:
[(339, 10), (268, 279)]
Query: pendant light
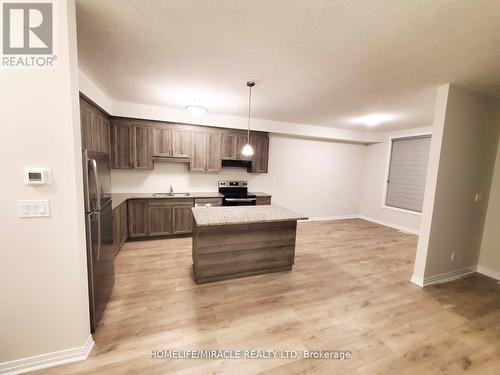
[(248, 149)]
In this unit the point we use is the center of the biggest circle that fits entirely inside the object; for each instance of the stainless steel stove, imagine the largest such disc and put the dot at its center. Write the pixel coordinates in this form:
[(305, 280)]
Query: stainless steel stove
[(236, 193)]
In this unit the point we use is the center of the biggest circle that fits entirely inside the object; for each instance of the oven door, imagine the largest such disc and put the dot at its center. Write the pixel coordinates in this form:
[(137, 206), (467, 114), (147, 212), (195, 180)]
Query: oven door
[(233, 201)]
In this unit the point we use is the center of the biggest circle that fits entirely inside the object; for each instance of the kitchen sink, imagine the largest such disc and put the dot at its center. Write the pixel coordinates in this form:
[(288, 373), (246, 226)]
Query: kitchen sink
[(170, 194)]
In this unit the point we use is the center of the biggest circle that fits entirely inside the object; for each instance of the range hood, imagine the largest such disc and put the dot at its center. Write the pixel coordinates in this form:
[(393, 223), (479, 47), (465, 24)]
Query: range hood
[(237, 163)]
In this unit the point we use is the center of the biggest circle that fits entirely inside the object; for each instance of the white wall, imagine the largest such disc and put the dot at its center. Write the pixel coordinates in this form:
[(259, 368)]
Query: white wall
[(43, 276), (375, 176), (466, 162), (489, 257), (315, 178), (160, 113)]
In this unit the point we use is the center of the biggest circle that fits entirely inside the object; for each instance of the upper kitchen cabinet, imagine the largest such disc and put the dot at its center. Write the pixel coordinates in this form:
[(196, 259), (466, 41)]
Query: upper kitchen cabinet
[(131, 145), (205, 151), (242, 141), (141, 147), (95, 128), (171, 142), (162, 142), (232, 144), (260, 144), (229, 146), (214, 142)]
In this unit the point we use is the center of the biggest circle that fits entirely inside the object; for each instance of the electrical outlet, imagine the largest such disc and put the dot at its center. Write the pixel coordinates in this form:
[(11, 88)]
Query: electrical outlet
[(452, 257)]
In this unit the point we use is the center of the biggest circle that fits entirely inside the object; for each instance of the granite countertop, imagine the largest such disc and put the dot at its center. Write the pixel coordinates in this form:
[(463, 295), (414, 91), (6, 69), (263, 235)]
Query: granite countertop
[(206, 216), (119, 198)]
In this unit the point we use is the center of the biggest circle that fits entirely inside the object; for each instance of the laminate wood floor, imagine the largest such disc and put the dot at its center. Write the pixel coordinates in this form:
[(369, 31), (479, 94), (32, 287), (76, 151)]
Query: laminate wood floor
[(348, 290)]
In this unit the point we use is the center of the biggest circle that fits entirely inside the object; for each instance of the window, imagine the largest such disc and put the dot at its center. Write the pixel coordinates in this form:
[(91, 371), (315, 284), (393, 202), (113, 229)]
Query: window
[(407, 172)]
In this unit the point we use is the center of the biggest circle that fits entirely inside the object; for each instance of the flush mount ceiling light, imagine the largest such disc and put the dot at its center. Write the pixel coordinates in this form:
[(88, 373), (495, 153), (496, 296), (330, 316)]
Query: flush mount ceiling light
[(373, 119), (248, 149), (196, 110)]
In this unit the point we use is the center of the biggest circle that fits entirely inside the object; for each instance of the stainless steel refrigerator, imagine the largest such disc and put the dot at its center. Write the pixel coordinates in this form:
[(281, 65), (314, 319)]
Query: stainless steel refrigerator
[(99, 227)]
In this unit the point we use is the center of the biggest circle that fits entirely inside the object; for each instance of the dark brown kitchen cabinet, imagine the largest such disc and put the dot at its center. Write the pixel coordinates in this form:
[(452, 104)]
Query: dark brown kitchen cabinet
[(136, 143), (121, 146), (181, 142), (131, 145), (229, 146), (182, 218), (162, 141), (242, 141), (142, 157), (94, 128), (137, 218), (120, 226), (205, 151), (260, 144), (171, 141), (213, 152), (198, 151), (159, 218)]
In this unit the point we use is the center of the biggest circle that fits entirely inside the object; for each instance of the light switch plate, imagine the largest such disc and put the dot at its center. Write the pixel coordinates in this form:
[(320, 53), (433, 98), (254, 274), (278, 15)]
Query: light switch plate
[(33, 208), (478, 197)]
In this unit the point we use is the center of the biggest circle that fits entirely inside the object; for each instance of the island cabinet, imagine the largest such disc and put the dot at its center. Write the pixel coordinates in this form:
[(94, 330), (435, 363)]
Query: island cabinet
[(120, 226), (131, 145), (242, 241), (95, 128), (206, 151), (159, 217), (261, 201)]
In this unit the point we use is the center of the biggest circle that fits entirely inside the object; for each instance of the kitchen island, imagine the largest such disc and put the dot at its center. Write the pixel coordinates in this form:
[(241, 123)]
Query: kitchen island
[(233, 242)]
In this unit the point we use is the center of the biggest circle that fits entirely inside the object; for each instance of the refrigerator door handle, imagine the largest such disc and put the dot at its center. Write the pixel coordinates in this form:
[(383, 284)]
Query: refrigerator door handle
[(93, 166), (99, 235)]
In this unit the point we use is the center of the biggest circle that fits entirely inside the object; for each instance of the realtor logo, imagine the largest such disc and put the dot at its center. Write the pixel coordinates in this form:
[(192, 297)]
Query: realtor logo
[(27, 34)]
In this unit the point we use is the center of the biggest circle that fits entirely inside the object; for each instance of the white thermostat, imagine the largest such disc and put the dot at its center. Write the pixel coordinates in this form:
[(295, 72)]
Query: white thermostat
[(37, 176)]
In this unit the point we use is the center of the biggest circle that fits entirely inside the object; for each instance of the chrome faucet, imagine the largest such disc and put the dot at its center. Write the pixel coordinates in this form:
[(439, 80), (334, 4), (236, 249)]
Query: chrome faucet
[(171, 191)]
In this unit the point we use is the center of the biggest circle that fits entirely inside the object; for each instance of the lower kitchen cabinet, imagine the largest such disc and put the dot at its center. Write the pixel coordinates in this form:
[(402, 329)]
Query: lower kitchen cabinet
[(137, 218), (183, 218), (120, 226), (159, 217)]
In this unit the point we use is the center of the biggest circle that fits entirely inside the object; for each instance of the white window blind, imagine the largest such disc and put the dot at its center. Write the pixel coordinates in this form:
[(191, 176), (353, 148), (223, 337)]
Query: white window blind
[(407, 172)]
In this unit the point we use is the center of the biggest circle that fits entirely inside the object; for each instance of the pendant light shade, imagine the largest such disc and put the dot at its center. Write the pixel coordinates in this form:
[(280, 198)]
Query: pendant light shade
[(248, 149)]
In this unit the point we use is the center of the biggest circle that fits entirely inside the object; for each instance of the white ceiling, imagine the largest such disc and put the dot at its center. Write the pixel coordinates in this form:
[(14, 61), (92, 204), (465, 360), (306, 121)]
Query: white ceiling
[(318, 62)]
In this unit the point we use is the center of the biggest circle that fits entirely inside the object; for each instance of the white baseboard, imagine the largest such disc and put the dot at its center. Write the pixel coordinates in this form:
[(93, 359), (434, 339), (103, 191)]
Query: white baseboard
[(387, 224), (488, 272), (327, 218), (449, 276), (415, 279), (367, 218), (38, 362)]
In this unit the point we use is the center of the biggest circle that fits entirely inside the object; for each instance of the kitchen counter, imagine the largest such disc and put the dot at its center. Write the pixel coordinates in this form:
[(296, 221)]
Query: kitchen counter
[(233, 242), (208, 216), (119, 198)]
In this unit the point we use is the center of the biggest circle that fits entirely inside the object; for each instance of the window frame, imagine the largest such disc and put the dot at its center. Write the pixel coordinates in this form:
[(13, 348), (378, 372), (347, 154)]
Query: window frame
[(383, 204)]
